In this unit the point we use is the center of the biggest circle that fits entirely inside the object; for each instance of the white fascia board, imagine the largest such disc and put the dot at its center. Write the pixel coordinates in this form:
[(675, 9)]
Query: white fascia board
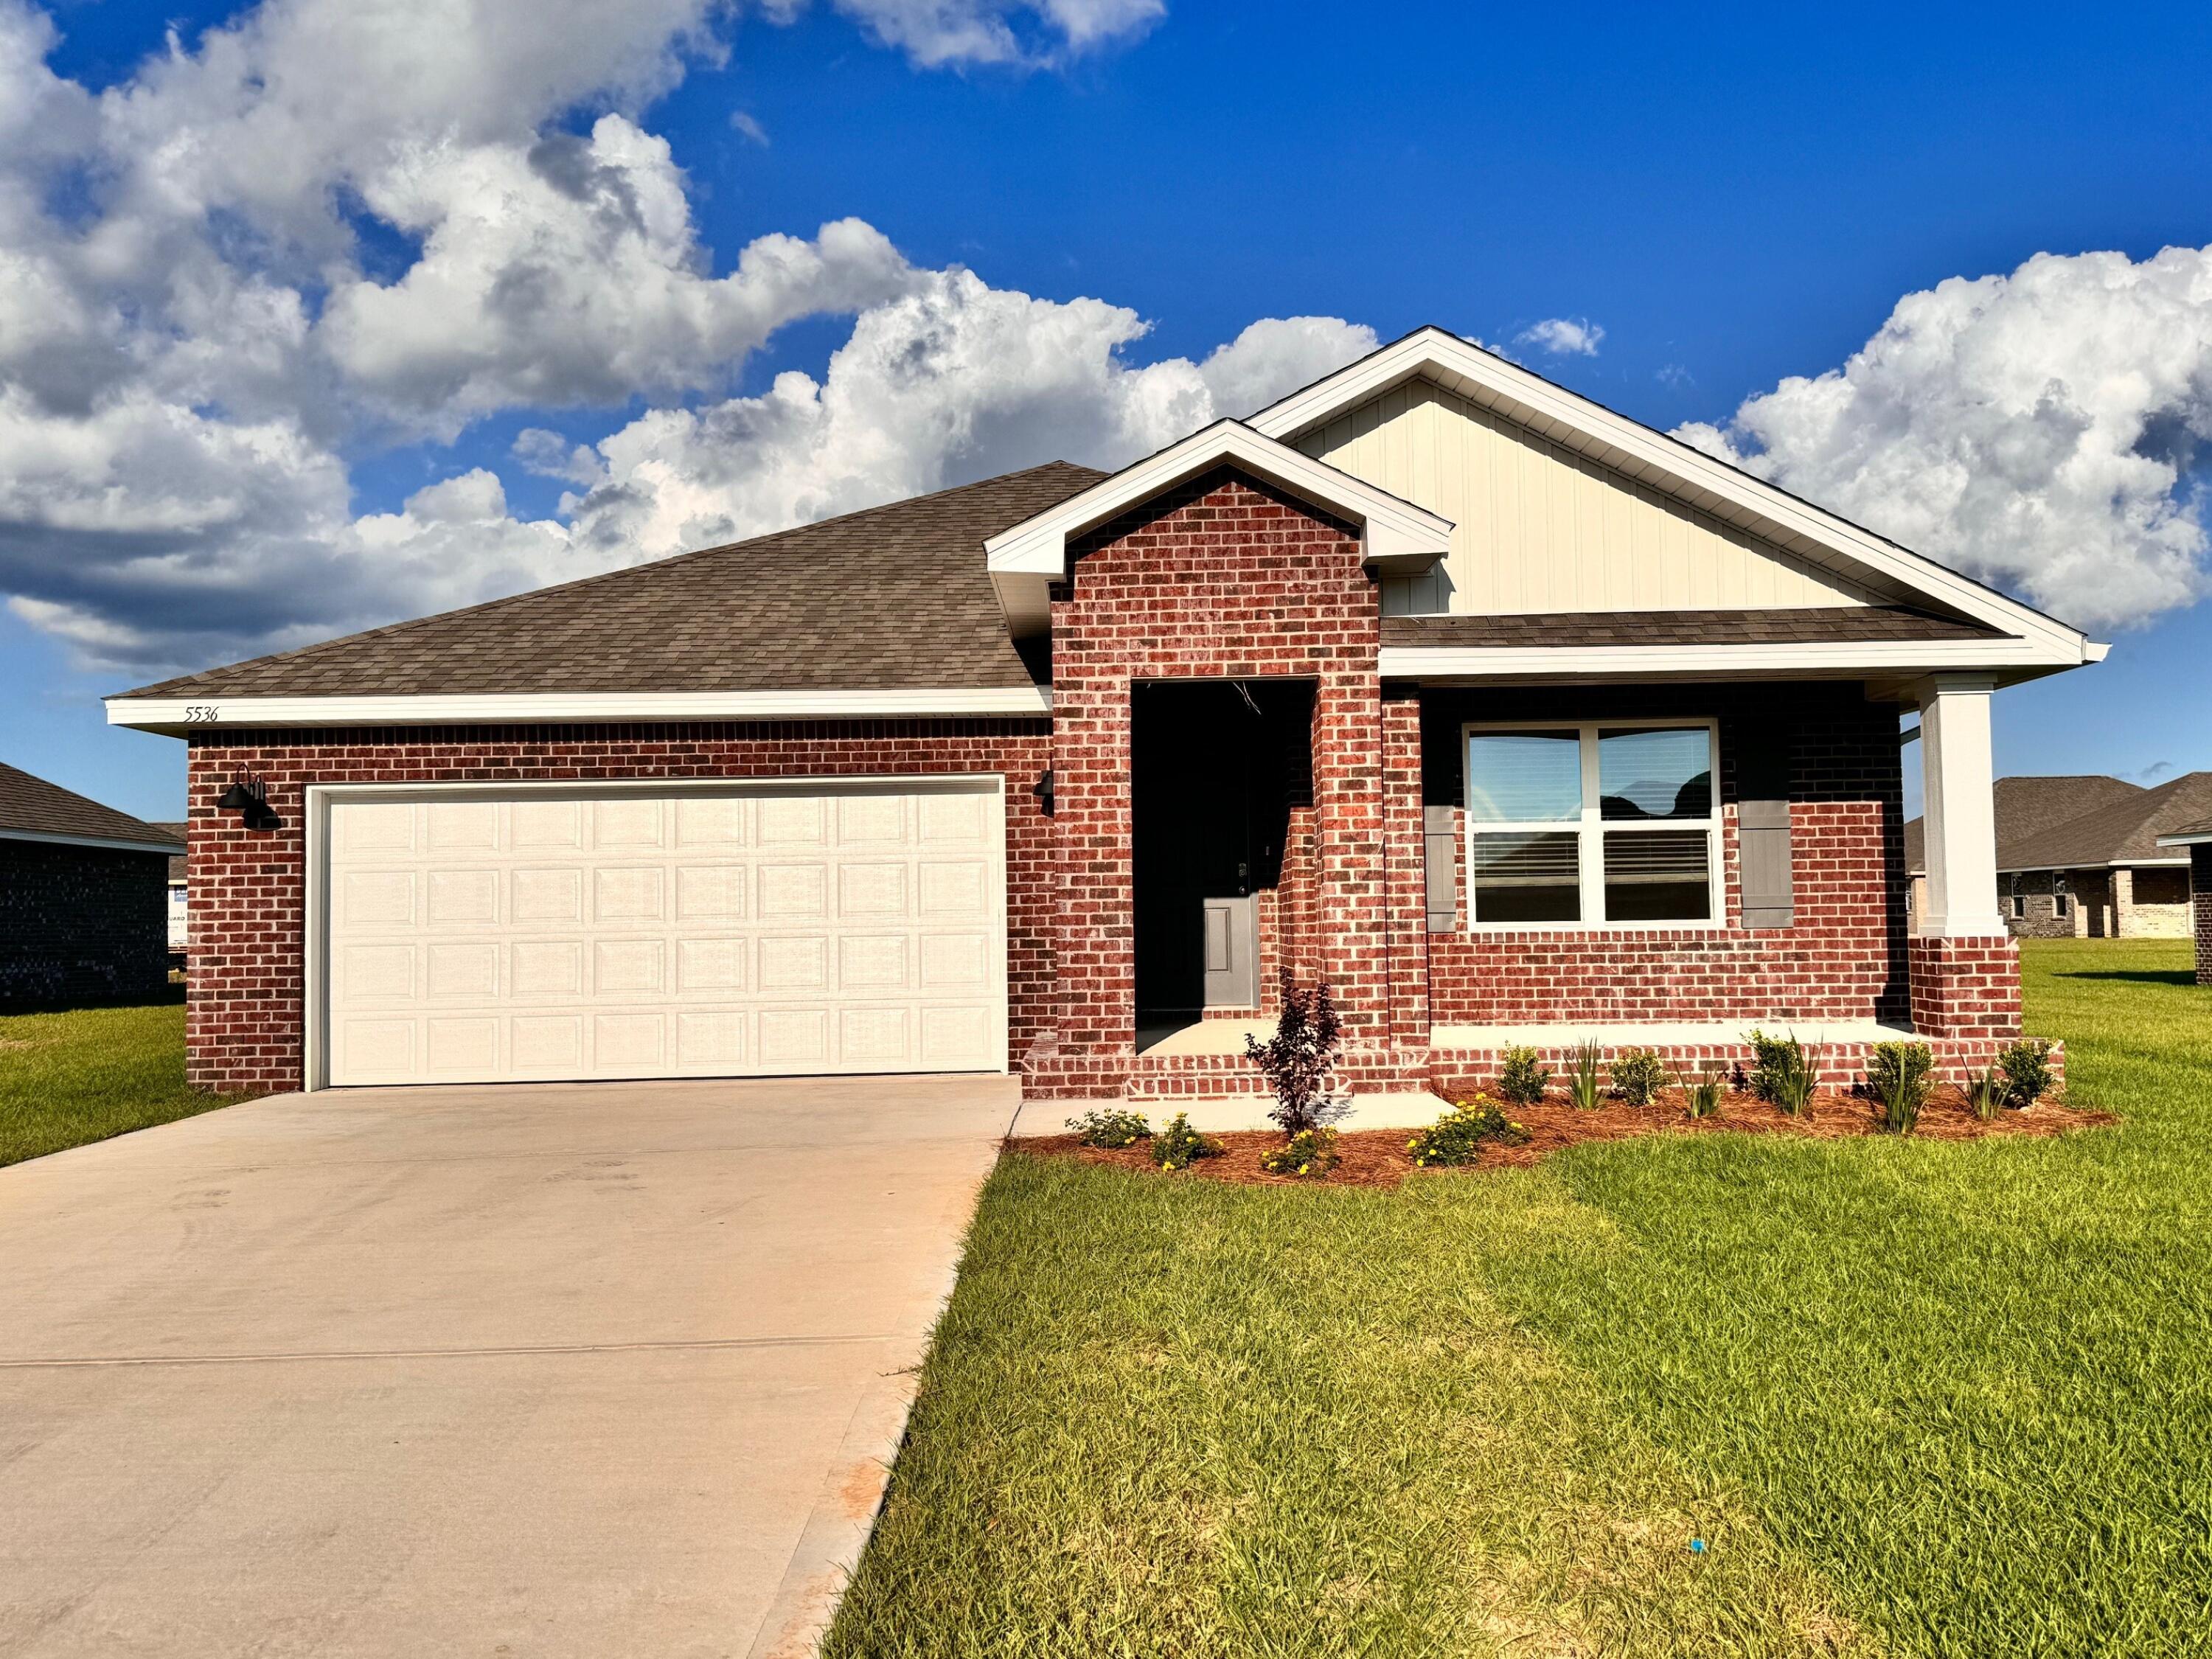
[(2188, 838), (1397, 536), (174, 849), (177, 715), (1663, 463), (1841, 659)]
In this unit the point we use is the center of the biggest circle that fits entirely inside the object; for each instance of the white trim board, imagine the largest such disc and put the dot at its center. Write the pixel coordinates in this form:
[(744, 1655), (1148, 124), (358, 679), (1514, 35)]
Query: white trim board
[(174, 849), (1638, 453), (1837, 660), (1397, 537), (178, 715)]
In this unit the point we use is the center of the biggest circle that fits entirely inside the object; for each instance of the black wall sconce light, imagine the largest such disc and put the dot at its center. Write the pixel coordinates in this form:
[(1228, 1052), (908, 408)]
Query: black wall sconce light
[(1043, 790), (248, 797)]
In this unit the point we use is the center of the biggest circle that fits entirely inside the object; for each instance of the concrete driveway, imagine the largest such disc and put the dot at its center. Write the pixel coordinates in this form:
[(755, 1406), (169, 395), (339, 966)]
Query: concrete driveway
[(593, 1368)]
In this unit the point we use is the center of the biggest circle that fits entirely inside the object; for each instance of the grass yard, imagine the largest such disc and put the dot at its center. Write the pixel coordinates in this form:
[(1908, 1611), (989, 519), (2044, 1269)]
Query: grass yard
[(71, 1077), (1914, 1398)]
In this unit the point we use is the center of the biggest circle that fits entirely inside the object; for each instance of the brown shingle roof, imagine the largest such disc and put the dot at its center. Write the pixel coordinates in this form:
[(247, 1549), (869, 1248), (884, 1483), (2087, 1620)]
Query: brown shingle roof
[(1820, 625), (891, 597), (2028, 808), (32, 807), (2125, 832), (2194, 831)]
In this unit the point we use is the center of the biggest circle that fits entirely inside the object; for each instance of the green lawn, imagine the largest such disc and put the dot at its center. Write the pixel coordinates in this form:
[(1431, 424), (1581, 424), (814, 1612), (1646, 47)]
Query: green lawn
[(92, 1072), (1915, 1397)]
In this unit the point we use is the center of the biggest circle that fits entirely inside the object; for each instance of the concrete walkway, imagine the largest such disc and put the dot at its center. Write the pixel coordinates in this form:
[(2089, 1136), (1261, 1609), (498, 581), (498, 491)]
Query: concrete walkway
[(594, 1369)]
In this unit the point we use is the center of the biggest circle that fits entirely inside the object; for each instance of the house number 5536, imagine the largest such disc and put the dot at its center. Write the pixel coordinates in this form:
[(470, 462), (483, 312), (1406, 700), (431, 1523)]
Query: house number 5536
[(200, 714)]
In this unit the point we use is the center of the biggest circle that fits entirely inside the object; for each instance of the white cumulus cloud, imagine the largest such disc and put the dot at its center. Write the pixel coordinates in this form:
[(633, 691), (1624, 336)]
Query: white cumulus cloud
[(951, 381), (1020, 33), (329, 226), (1563, 337), (2044, 430)]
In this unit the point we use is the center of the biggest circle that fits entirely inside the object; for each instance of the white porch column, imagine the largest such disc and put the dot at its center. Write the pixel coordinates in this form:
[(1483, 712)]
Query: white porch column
[(1959, 815)]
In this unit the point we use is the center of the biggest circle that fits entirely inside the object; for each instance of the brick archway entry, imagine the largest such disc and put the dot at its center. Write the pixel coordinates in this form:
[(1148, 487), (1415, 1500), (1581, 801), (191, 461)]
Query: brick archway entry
[(1226, 578)]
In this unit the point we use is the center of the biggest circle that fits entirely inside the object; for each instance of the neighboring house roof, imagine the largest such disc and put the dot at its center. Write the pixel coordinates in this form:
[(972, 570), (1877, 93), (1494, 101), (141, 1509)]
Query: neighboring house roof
[(1854, 624), (2028, 808), (178, 830), (2124, 832), (889, 598), (32, 809)]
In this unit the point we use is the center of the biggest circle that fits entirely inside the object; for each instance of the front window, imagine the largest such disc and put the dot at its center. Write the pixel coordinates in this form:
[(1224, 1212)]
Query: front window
[(1591, 824)]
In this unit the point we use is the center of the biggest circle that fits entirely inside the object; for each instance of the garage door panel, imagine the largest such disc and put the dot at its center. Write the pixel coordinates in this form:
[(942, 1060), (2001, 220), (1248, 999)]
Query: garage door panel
[(720, 933), (790, 821)]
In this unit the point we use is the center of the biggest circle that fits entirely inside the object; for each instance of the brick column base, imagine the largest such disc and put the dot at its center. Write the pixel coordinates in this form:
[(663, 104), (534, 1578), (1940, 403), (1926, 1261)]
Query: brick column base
[(2200, 884), (1966, 988)]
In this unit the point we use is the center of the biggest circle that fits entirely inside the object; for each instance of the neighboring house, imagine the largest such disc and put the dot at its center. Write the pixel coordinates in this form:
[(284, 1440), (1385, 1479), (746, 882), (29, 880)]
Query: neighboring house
[(81, 897), (2103, 874), (2043, 903), (181, 932), (1505, 715), (2196, 840)]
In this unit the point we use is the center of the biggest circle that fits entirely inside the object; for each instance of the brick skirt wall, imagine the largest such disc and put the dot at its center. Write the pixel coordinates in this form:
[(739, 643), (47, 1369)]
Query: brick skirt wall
[(81, 924), (244, 1022)]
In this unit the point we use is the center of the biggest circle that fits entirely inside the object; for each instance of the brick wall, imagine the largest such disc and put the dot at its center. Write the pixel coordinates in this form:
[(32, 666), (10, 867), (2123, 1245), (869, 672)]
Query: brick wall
[(1967, 987), (80, 924), (1222, 578), (244, 1021), (2200, 876), (1843, 958)]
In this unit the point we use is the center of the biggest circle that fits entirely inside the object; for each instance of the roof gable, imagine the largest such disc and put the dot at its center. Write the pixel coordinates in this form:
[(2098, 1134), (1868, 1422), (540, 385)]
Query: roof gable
[(1817, 540), (1026, 559)]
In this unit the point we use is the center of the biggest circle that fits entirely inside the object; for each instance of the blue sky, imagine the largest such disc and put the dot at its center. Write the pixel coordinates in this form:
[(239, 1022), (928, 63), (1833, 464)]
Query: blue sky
[(1734, 199)]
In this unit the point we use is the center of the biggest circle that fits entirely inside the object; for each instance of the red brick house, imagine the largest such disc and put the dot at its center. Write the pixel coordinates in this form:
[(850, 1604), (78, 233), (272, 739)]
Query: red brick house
[(82, 897), (1512, 719)]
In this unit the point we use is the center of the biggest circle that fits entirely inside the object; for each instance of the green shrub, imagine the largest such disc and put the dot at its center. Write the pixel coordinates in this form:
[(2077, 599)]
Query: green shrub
[(1638, 1075), (1777, 1061), (1985, 1092), (1793, 1073), (1108, 1127), (1309, 1152), (1584, 1086), (1179, 1146), (2026, 1069), (1457, 1137), (1702, 1095), (1901, 1076), (1524, 1077)]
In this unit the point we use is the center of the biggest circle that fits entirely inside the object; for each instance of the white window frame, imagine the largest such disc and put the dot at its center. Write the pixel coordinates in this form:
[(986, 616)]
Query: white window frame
[(1590, 828)]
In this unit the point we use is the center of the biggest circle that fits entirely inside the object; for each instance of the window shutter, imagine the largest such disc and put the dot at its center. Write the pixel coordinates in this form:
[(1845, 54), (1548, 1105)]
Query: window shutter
[(1763, 829), (1440, 853)]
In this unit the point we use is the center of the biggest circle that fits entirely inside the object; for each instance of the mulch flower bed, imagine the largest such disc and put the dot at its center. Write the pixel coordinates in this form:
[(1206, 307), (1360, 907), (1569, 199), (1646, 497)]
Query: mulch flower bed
[(1379, 1157)]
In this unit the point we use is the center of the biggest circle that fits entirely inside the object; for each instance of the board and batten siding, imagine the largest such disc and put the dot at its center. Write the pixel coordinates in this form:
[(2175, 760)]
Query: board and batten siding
[(1539, 528)]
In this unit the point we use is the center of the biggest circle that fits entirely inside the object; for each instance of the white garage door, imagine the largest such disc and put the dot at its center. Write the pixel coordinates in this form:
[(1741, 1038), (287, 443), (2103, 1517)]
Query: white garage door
[(617, 933)]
